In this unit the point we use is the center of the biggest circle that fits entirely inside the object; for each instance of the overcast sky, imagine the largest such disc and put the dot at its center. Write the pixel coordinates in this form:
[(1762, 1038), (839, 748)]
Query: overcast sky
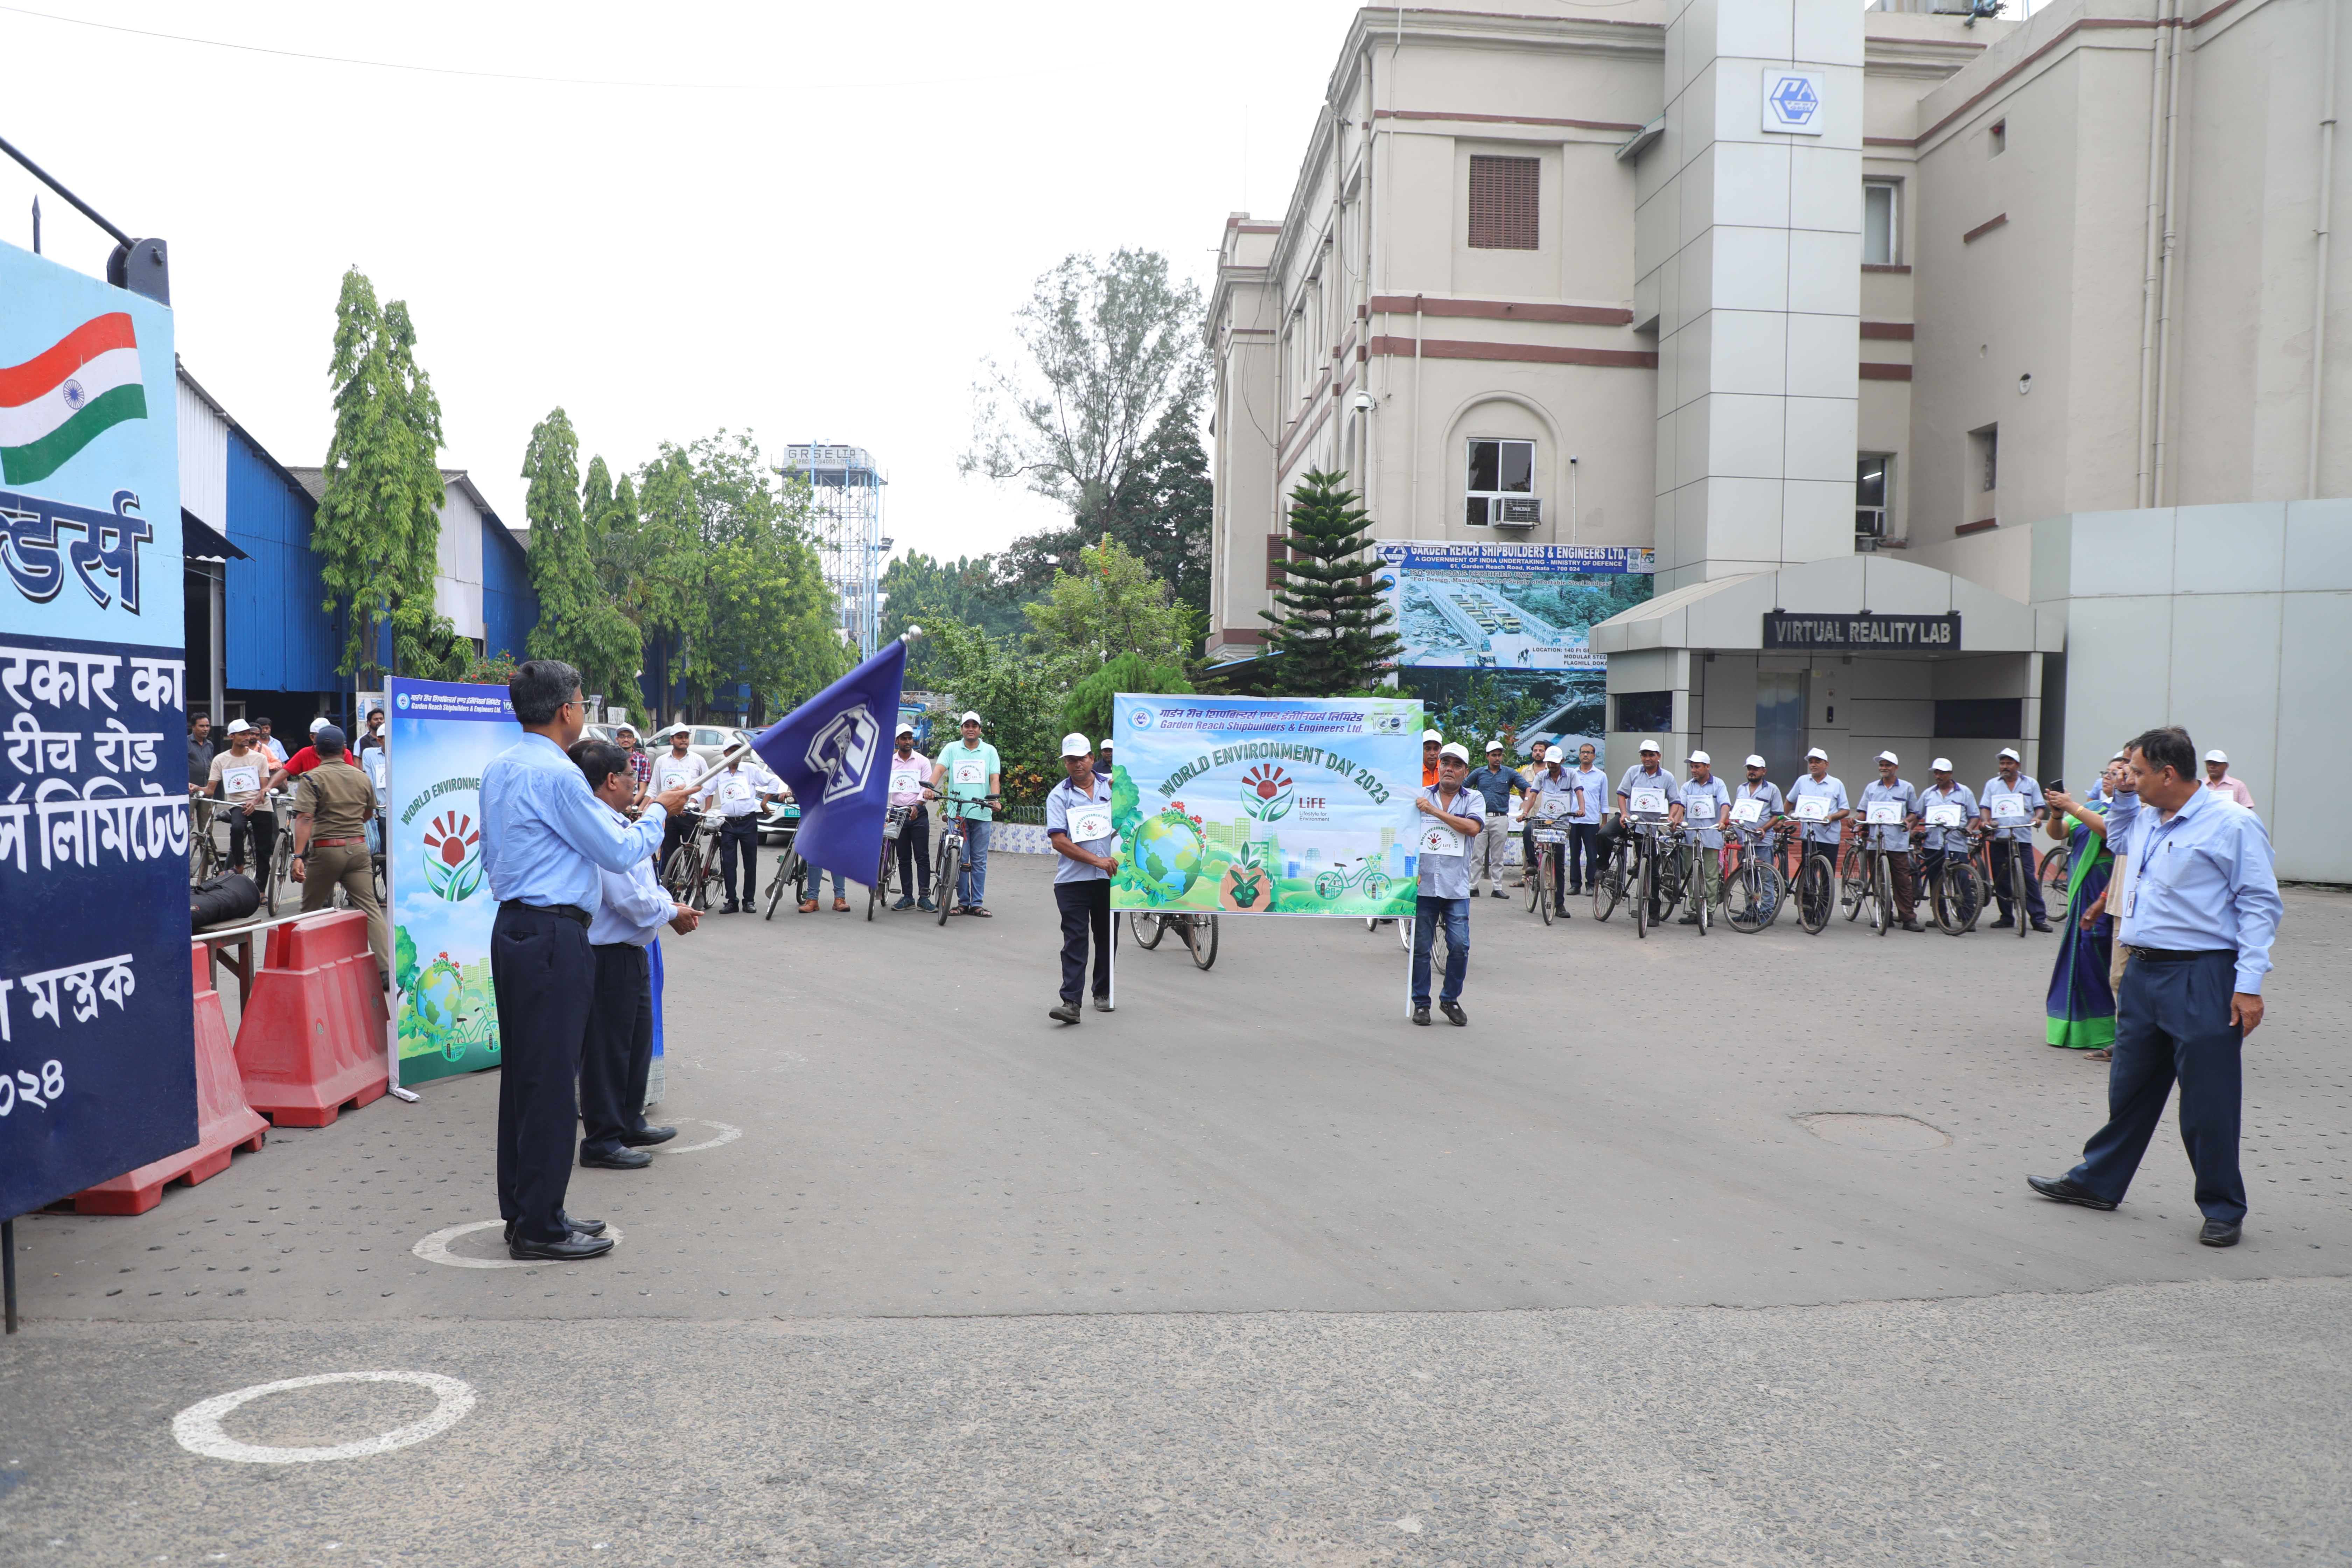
[(827, 257)]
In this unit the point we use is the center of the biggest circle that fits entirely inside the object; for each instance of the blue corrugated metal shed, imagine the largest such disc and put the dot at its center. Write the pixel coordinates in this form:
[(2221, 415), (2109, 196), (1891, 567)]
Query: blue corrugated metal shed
[(510, 604), (279, 637)]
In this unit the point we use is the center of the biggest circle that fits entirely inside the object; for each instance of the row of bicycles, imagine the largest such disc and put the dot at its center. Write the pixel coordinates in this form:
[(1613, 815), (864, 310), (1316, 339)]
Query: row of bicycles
[(1654, 868), (692, 874), (208, 849)]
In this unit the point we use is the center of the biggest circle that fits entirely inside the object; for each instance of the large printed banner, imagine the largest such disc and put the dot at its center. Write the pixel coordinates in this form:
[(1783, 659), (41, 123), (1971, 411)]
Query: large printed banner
[(1267, 806), (442, 736), (97, 1020), (1507, 607)]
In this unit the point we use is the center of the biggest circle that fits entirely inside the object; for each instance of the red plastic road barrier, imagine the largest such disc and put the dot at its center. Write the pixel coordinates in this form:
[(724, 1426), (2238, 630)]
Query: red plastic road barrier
[(225, 1124), (311, 1040)]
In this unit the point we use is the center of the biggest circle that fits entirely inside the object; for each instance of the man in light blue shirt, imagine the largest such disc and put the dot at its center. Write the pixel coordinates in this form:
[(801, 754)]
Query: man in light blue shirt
[(2198, 918), (1707, 805), (1942, 797), (1893, 839), (1077, 825), (544, 837), (2011, 804), (1584, 826), (631, 910), (1822, 834), (1448, 817)]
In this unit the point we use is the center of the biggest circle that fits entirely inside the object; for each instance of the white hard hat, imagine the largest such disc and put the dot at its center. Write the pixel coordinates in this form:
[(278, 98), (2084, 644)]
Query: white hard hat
[(1648, 745), (1890, 757), (2215, 755), (1455, 748), (239, 727), (903, 729), (1817, 754), (1756, 761), (969, 718), (1701, 757), (2009, 753), (1075, 745), (319, 724), (1429, 735), (1940, 765)]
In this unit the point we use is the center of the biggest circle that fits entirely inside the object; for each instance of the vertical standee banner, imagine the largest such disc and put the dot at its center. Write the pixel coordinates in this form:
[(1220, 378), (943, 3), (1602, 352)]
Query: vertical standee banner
[(97, 1017), (1267, 806), (443, 734)]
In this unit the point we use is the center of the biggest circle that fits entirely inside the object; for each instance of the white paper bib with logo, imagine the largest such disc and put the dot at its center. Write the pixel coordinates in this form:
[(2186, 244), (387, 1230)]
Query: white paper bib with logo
[(1747, 812), (1885, 814), (1699, 809), (969, 772), (1437, 838), (735, 789), (1089, 822), (1946, 815), (2008, 810), (240, 781), (1649, 802), (1812, 808)]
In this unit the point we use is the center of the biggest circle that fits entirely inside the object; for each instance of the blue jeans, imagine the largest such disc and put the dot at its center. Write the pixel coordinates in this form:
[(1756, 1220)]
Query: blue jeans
[(971, 877), (1427, 912), (2172, 1026)]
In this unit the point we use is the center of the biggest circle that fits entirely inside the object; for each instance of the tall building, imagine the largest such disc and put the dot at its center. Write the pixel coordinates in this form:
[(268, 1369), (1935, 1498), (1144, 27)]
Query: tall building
[(1975, 384)]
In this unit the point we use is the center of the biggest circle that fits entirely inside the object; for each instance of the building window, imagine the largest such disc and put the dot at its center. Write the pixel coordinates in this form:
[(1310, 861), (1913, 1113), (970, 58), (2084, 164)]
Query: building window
[(1497, 469), (1871, 476), (1503, 201), (1647, 710), (1997, 139), (1979, 719), (1985, 448), (1879, 233)]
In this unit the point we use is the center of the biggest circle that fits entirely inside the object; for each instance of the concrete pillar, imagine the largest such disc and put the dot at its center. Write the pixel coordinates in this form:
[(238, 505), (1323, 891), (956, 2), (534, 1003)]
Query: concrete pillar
[(1749, 243)]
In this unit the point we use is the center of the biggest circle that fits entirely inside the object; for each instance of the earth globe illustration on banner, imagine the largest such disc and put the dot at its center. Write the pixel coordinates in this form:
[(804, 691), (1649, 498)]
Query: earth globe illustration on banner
[(1168, 853)]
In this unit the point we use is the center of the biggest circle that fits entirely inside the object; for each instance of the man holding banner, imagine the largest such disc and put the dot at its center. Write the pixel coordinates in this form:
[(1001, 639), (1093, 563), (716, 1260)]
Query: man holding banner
[(1079, 826), (544, 836), (1451, 818)]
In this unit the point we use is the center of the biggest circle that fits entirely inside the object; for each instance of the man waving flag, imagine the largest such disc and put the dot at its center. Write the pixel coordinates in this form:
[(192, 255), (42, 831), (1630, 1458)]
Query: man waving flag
[(833, 749)]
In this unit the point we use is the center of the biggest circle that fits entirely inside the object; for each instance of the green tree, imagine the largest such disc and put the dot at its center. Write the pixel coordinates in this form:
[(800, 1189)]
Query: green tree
[(920, 591), (578, 621), (1331, 634), (1018, 693), (1088, 711), (378, 528), (1109, 604), (1110, 348)]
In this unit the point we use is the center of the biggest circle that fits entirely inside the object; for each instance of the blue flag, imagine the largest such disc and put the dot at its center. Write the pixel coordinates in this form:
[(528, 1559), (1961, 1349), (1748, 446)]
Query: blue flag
[(831, 751)]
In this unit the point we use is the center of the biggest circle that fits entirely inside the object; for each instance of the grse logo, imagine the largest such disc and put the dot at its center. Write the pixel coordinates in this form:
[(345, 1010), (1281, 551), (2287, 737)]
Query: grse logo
[(1791, 100), (843, 750)]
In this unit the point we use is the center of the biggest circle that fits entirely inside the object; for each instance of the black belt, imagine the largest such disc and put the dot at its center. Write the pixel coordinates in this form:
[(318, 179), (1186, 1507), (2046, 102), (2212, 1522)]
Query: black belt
[(569, 911), (2181, 955)]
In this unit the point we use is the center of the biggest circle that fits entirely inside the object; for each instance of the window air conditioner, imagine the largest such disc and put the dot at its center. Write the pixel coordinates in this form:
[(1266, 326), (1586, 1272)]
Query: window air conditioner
[(1518, 511)]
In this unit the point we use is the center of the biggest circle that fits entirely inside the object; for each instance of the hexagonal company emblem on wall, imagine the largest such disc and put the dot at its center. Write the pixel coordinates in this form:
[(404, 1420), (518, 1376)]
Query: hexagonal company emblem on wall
[(1792, 101)]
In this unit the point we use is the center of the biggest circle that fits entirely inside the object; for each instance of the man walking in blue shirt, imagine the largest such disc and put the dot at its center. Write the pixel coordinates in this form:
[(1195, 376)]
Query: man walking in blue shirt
[(2198, 918), (1077, 825), (544, 836)]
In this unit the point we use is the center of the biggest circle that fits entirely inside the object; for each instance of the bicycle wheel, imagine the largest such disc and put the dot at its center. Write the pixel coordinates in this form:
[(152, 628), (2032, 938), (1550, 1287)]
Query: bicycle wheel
[(1146, 930), (1955, 897), (1546, 881), (881, 887), (777, 884), (2017, 881), (946, 881), (1816, 894), (1699, 905), (1747, 898), (1608, 885), (1201, 936), (1882, 886), (2054, 867), (1645, 887), (1852, 885)]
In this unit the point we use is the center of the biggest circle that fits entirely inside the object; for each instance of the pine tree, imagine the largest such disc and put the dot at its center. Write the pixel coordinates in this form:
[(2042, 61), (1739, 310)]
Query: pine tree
[(1331, 633), (378, 528)]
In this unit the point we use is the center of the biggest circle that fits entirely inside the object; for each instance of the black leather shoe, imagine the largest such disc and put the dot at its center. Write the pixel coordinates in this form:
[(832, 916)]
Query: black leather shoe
[(616, 1159), (646, 1137), (1454, 1012), (2066, 1190), (1064, 1011), (1913, 925), (585, 1226), (2042, 926), (1421, 1016), (1689, 920), (732, 908), (2004, 923), (573, 1248), (2220, 1231)]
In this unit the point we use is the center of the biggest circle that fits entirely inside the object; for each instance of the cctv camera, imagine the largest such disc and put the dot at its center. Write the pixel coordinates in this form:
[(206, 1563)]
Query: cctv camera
[(1363, 402)]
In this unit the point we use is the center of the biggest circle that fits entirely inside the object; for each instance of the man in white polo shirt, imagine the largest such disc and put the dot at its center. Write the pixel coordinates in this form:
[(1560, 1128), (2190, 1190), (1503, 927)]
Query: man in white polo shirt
[(1823, 825)]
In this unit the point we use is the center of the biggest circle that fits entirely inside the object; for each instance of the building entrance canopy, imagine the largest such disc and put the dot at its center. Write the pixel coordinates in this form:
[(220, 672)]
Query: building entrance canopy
[(1845, 605)]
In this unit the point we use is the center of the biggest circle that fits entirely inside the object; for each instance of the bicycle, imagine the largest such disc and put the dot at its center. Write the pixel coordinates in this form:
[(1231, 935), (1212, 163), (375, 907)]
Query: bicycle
[(1684, 877), (1817, 893), (894, 821), (1543, 877), (205, 856), (1657, 882), (1957, 890), (1333, 881), (1755, 890), (1611, 876), (694, 865), (1199, 930), (787, 878), (951, 850), (1868, 879)]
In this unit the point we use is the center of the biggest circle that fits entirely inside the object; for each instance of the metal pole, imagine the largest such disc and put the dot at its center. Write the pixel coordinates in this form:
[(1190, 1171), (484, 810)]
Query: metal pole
[(80, 205), (8, 1269)]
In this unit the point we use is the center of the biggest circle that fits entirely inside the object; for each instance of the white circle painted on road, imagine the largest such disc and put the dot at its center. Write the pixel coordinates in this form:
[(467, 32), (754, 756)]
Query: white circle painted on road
[(727, 1134), (434, 1248), (198, 1427)]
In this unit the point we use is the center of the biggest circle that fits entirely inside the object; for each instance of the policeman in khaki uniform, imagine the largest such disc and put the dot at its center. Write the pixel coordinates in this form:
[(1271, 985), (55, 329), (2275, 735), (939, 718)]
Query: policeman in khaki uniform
[(333, 802)]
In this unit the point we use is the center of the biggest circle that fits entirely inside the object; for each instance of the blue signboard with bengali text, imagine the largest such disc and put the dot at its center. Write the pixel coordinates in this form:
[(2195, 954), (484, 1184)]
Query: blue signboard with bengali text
[(97, 1016)]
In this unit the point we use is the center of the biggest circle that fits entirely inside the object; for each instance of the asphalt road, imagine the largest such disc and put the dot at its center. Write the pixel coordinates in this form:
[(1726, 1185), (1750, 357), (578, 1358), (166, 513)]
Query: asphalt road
[(1252, 1270)]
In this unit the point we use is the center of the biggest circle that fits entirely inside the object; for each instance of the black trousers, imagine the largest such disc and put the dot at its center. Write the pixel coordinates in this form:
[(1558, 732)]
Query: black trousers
[(1998, 852), (915, 853), (1084, 904), (545, 974), (263, 826), (676, 830), (2172, 1024), (739, 833), (1583, 867), (619, 1055)]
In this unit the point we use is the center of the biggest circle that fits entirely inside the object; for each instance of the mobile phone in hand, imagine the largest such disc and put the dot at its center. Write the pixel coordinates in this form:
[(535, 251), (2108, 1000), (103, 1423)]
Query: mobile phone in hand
[(2052, 786)]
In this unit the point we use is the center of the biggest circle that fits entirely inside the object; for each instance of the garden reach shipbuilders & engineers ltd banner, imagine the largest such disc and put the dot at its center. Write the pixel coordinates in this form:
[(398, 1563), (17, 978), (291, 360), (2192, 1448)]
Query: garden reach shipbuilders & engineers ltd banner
[(1259, 805)]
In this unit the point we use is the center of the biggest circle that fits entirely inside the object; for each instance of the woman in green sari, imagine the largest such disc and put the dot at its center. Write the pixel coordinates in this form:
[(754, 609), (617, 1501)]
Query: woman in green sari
[(2082, 1005)]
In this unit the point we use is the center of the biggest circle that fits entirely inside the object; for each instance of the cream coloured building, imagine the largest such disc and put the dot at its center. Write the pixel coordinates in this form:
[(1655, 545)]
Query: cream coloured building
[(2007, 333)]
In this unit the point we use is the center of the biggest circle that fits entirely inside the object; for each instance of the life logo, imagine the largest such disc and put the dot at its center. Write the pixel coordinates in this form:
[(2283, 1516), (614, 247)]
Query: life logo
[(843, 750), (1792, 101), (1267, 792)]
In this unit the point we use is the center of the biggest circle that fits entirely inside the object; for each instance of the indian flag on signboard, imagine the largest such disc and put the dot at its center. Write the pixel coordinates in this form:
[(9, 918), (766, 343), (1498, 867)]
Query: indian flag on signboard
[(58, 401)]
